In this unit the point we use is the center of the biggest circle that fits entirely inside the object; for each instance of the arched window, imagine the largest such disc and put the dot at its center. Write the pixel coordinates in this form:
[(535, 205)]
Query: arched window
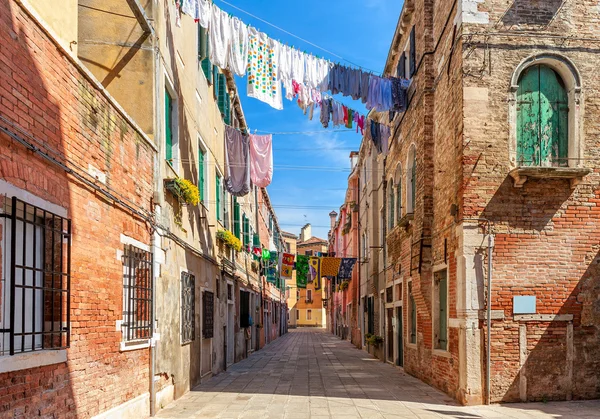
[(411, 181), (399, 191), (391, 205), (542, 118)]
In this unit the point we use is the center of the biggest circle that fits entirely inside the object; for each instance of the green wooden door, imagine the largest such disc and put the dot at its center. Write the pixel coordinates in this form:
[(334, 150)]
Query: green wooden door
[(542, 118), (168, 128)]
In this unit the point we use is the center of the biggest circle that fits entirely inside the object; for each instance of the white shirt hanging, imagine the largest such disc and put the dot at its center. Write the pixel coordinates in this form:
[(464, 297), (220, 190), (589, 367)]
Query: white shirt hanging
[(220, 37), (204, 13), (263, 69), (238, 51), (298, 61), (285, 63)]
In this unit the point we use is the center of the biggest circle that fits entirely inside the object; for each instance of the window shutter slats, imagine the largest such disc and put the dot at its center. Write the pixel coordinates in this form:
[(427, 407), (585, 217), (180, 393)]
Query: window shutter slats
[(413, 52), (236, 218), (168, 132)]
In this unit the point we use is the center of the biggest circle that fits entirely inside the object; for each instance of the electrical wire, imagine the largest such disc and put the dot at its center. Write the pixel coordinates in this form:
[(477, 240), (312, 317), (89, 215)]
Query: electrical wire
[(298, 37)]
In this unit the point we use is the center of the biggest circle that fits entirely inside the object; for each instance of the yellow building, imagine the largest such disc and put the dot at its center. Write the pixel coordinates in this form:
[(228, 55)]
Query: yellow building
[(308, 307)]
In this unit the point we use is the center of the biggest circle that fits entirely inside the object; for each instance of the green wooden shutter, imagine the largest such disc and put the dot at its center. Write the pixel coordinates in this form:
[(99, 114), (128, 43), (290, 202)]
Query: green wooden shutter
[(218, 197), (391, 206), (246, 231), (256, 240), (542, 118), (201, 184), (168, 127), (413, 320), (217, 81), (222, 95), (399, 199), (236, 218), (202, 43), (227, 109), (413, 182), (443, 313)]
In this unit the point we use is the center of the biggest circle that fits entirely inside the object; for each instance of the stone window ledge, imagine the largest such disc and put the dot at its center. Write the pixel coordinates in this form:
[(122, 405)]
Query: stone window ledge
[(35, 359), (406, 220), (574, 174)]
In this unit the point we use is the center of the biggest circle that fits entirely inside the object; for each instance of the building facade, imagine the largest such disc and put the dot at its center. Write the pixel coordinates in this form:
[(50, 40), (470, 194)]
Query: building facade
[(291, 290), (309, 300), (486, 210), (112, 108)]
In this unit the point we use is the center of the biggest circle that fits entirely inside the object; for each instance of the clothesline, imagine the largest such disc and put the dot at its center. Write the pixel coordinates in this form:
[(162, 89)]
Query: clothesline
[(297, 37)]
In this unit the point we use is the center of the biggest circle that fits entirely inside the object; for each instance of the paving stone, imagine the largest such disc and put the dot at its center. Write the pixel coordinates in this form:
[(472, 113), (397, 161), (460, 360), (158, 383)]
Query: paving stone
[(310, 374)]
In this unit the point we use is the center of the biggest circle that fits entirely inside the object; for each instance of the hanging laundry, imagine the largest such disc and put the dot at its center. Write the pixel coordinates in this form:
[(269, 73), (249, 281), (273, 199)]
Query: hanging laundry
[(272, 276), (311, 77), (238, 51), (189, 7), (287, 265), (346, 267), (330, 266), (323, 68), (354, 78), (375, 136), (314, 264), (301, 271), (266, 255), (325, 112), (261, 160), (364, 86), (298, 65), (263, 82), (345, 114), (220, 37), (285, 63), (360, 122), (237, 161), (204, 12), (384, 133), (399, 96), (350, 118)]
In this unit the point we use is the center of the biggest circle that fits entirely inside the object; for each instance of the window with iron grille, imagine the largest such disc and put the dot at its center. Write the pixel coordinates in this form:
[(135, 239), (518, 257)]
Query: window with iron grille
[(188, 311), (35, 289), (244, 309), (207, 314), (137, 294)]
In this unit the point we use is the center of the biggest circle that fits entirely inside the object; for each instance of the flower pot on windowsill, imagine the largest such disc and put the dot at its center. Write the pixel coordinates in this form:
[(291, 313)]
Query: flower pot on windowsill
[(184, 190), (228, 239), (172, 186)]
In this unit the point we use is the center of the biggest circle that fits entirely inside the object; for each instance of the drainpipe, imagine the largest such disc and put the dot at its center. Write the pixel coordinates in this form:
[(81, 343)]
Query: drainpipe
[(489, 316)]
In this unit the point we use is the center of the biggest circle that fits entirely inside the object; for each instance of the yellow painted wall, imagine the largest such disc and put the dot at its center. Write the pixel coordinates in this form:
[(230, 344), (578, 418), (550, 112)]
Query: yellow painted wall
[(61, 16)]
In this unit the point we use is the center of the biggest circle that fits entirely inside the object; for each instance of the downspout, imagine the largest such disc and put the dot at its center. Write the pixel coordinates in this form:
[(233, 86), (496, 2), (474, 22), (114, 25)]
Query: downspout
[(157, 204), (384, 248), (358, 248)]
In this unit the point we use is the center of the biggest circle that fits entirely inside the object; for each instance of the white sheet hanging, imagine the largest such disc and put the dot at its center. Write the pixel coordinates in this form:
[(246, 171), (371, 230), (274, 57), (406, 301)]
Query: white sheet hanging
[(220, 37), (298, 60), (263, 69), (204, 13), (238, 51)]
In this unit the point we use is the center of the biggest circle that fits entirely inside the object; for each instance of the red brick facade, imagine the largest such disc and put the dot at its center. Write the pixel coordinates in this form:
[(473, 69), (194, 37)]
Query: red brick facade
[(48, 102)]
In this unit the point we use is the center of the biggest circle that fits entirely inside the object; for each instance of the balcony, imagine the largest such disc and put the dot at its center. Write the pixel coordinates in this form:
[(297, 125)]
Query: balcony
[(522, 173)]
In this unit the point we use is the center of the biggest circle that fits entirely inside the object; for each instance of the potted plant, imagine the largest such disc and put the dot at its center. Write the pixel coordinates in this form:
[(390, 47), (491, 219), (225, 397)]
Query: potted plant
[(229, 239), (184, 190), (374, 340)]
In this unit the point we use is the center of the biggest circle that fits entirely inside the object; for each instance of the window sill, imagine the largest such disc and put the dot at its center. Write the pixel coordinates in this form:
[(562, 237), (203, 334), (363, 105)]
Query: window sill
[(32, 360), (574, 174), (134, 345), (405, 221), (442, 353)]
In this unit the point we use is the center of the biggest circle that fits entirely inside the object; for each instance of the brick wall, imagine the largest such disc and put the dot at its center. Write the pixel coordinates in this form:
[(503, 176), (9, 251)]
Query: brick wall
[(45, 96), (546, 232)]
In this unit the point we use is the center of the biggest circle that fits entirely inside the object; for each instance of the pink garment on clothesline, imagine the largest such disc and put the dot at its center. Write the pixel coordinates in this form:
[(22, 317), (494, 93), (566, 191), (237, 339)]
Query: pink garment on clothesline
[(261, 160)]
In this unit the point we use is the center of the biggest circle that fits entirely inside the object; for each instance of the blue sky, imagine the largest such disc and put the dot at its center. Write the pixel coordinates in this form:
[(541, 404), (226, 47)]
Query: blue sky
[(359, 31)]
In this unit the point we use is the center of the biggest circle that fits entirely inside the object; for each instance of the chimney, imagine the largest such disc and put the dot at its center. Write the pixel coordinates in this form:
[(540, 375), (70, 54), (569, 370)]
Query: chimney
[(305, 233), (332, 218)]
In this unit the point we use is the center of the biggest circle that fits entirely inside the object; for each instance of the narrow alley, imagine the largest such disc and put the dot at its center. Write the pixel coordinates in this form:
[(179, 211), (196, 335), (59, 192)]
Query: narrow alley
[(308, 373)]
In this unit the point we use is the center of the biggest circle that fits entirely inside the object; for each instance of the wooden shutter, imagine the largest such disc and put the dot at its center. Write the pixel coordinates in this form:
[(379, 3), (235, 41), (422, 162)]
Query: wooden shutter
[(236, 218), (246, 227), (222, 95), (401, 70), (203, 53), (413, 53), (227, 109), (413, 183), (168, 127), (443, 312), (542, 118), (216, 81), (218, 197), (399, 199), (391, 206), (201, 184)]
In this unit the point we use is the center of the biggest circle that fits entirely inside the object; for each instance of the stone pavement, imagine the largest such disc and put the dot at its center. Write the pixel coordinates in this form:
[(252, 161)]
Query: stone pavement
[(309, 373)]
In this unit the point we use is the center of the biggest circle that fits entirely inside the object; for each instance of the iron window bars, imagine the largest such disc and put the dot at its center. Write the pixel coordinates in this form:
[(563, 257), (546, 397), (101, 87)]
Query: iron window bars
[(36, 291), (137, 293), (188, 310), (207, 314)]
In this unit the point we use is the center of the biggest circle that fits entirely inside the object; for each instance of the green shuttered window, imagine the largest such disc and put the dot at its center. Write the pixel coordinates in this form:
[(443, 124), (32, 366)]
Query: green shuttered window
[(246, 227), (168, 127), (201, 174), (236, 218), (218, 197), (203, 53), (542, 118), (442, 314)]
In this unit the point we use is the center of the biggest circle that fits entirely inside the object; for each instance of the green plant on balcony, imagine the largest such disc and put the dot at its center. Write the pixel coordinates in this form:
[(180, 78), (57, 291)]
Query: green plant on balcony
[(184, 190), (344, 285), (229, 239), (374, 340)]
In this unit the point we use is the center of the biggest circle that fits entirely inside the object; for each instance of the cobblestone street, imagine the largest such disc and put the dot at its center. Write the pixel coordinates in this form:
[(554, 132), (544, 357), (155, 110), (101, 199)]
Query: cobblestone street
[(309, 373)]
